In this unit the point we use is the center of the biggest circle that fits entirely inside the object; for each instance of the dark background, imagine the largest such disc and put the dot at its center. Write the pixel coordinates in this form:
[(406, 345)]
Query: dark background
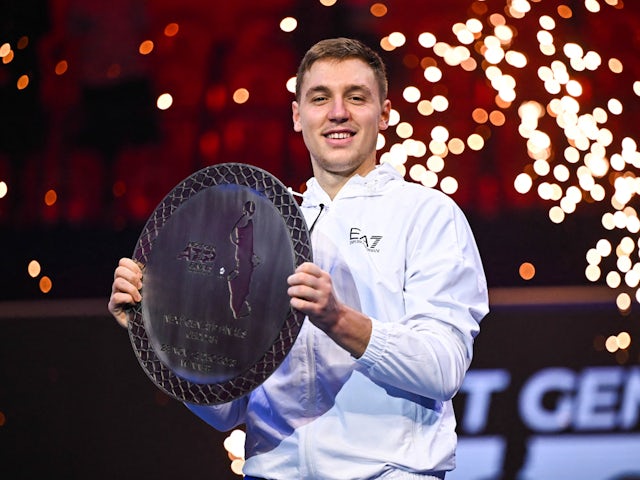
[(94, 135)]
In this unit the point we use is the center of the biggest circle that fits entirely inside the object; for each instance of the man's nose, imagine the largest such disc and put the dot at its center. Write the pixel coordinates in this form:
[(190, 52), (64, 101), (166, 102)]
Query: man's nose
[(339, 111)]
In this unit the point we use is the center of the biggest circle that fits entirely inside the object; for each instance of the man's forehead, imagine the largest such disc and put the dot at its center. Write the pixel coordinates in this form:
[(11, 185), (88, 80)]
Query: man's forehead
[(339, 73)]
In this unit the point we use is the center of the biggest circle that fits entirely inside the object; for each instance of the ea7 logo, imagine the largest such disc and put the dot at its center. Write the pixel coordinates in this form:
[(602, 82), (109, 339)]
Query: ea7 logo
[(369, 241)]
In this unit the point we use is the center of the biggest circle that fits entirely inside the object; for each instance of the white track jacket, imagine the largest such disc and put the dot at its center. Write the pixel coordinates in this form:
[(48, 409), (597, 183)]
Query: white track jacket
[(405, 256)]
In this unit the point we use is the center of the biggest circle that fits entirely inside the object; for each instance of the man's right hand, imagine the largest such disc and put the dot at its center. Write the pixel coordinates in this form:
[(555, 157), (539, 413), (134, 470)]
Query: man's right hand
[(125, 291)]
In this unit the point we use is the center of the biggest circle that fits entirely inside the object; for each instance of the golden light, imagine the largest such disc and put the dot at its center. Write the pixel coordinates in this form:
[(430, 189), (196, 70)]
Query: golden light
[(615, 65), (527, 271), (241, 95), (516, 59), (611, 344), (592, 60), (632, 278), (465, 36), (236, 466), (164, 101), (564, 11), (411, 94), (417, 172), (440, 133), (592, 5), (146, 47), (45, 284), (433, 74), (5, 48), (34, 268), (449, 185), (4, 189), (624, 340), (394, 117), (386, 45), (22, 82), (50, 198), (438, 148), (440, 103), (404, 130), (430, 180), (397, 39), (172, 29), (475, 142), (474, 25), (613, 279), (427, 40), (480, 115), (496, 19), (547, 22), (378, 10), (592, 273), (234, 443), (291, 85), (61, 67), (615, 106), (456, 146), (574, 88), (523, 183), (425, 107), (556, 214), (435, 163), (8, 57), (288, 24)]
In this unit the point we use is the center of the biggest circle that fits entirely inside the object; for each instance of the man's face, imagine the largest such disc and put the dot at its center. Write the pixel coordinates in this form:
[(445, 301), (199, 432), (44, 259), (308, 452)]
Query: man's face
[(340, 113)]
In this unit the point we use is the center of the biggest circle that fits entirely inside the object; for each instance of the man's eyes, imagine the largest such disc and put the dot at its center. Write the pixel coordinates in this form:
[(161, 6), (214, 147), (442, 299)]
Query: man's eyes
[(350, 98)]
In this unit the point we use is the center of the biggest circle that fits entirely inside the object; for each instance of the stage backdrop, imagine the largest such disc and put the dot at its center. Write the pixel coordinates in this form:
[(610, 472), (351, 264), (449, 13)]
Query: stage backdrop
[(544, 399), (541, 401)]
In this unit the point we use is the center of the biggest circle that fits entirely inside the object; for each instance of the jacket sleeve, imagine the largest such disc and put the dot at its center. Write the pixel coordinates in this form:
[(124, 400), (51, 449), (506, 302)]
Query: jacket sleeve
[(222, 417), (428, 351)]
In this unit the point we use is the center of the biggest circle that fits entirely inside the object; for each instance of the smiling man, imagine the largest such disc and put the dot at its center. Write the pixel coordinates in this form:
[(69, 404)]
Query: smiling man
[(393, 299), (340, 109)]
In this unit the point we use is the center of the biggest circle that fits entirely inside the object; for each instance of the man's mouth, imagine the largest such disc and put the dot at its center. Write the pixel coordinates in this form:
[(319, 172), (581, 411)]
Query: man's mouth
[(339, 135)]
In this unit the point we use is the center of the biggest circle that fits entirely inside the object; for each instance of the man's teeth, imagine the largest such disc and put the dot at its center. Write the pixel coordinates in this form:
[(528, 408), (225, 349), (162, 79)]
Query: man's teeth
[(339, 135)]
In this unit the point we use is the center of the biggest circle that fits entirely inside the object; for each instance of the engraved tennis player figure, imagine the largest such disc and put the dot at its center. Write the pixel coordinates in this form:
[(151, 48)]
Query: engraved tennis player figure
[(239, 278)]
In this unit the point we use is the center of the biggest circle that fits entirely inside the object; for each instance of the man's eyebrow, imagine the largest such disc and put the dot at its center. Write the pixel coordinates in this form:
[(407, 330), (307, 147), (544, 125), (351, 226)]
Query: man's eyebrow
[(317, 89), (358, 88), (350, 89)]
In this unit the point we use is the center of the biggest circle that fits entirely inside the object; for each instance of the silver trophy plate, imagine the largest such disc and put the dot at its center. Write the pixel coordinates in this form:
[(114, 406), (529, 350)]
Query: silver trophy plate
[(215, 319)]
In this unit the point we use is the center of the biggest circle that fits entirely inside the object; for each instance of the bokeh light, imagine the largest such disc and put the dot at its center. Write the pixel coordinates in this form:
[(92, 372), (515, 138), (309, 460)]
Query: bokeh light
[(164, 101), (527, 271)]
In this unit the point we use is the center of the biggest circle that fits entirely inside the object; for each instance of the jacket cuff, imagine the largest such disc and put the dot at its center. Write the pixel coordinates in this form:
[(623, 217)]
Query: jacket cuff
[(377, 344)]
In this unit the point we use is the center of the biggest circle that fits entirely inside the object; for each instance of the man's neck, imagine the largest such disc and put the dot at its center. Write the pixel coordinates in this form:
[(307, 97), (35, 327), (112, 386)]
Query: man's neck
[(332, 183)]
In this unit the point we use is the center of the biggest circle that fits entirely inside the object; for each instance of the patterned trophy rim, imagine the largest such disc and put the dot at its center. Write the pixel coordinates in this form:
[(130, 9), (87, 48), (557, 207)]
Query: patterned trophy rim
[(281, 198)]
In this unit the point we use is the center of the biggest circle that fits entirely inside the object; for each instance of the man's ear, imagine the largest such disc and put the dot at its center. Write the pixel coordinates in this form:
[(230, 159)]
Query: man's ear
[(383, 124), (295, 115)]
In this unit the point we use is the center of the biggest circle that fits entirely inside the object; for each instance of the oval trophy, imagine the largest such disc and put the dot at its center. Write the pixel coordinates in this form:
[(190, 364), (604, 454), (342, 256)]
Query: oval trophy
[(215, 319)]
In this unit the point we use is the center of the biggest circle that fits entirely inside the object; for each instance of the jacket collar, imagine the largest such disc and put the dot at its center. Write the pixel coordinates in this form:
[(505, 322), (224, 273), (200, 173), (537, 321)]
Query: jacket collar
[(374, 183)]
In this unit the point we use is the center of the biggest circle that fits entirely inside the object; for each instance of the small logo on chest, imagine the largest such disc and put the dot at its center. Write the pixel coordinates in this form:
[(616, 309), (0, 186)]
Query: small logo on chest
[(370, 242)]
